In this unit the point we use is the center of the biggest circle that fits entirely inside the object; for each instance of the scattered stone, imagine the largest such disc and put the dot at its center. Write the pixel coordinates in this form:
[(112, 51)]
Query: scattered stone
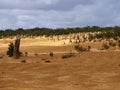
[(43, 59), (119, 65), (47, 61), (51, 54), (2, 72), (37, 62), (1, 57), (26, 53), (76, 84), (23, 61), (36, 54)]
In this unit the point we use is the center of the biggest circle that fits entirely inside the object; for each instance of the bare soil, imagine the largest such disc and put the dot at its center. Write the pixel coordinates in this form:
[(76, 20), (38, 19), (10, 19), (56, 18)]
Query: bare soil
[(85, 71)]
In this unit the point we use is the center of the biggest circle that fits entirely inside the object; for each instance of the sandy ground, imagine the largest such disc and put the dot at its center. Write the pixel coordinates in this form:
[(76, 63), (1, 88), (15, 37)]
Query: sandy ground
[(84, 71)]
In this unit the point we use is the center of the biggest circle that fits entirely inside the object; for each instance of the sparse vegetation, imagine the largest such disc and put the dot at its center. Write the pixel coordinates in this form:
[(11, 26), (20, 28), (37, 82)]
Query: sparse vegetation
[(68, 55), (80, 48), (51, 54), (48, 61), (89, 47), (101, 32), (36, 54), (23, 61), (112, 44), (10, 50), (118, 44), (26, 53), (1, 57), (105, 46), (39, 63)]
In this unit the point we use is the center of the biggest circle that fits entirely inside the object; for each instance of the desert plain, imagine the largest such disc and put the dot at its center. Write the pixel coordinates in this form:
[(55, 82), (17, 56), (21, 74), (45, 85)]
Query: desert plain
[(93, 70)]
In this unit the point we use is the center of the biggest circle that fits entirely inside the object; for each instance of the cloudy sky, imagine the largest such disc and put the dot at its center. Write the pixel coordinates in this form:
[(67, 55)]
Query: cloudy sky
[(58, 13)]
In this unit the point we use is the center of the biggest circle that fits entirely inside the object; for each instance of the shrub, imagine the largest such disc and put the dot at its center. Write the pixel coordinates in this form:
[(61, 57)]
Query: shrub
[(105, 46), (115, 38), (26, 53), (113, 44), (51, 54), (20, 53), (23, 61), (89, 47), (47, 61), (36, 54), (10, 50), (68, 55), (1, 57), (80, 48), (118, 43)]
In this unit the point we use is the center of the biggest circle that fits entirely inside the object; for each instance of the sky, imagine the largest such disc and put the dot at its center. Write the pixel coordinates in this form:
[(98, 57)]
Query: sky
[(58, 13)]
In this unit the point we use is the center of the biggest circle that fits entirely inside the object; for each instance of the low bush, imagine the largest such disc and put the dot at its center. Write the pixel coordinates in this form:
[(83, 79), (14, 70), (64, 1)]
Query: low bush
[(47, 61), (68, 55), (36, 54), (23, 61), (112, 44), (10, 50), (1, 57), (51, 54), (89, 47), (26, 53), (80, 48), (105, 46)]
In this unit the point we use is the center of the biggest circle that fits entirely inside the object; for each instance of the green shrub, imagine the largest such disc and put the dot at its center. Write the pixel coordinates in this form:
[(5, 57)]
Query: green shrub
[(10, 50)]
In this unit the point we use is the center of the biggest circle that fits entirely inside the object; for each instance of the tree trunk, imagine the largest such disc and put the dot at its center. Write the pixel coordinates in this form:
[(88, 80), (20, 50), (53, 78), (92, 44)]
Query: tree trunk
[(16, 47)]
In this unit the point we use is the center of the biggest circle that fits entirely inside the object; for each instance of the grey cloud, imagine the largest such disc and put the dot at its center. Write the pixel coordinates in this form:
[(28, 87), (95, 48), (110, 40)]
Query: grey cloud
[(42, 4), (76, 13), (65, 5), (25, 4)]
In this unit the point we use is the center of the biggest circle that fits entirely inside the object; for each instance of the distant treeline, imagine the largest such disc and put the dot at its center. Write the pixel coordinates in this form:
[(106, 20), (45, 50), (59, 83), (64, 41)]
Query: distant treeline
[(106, 32)]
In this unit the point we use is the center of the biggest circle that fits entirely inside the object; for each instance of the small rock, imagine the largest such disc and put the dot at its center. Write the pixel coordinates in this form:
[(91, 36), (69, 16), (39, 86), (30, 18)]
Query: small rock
[(47, 61), (23, 61), (1, 57)]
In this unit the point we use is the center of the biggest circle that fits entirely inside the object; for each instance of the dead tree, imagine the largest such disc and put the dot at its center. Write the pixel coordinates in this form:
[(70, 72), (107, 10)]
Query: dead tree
[(16, 47)]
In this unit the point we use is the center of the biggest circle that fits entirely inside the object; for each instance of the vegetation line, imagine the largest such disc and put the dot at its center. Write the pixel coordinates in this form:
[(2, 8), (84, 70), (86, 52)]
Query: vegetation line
[(106, 32)]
